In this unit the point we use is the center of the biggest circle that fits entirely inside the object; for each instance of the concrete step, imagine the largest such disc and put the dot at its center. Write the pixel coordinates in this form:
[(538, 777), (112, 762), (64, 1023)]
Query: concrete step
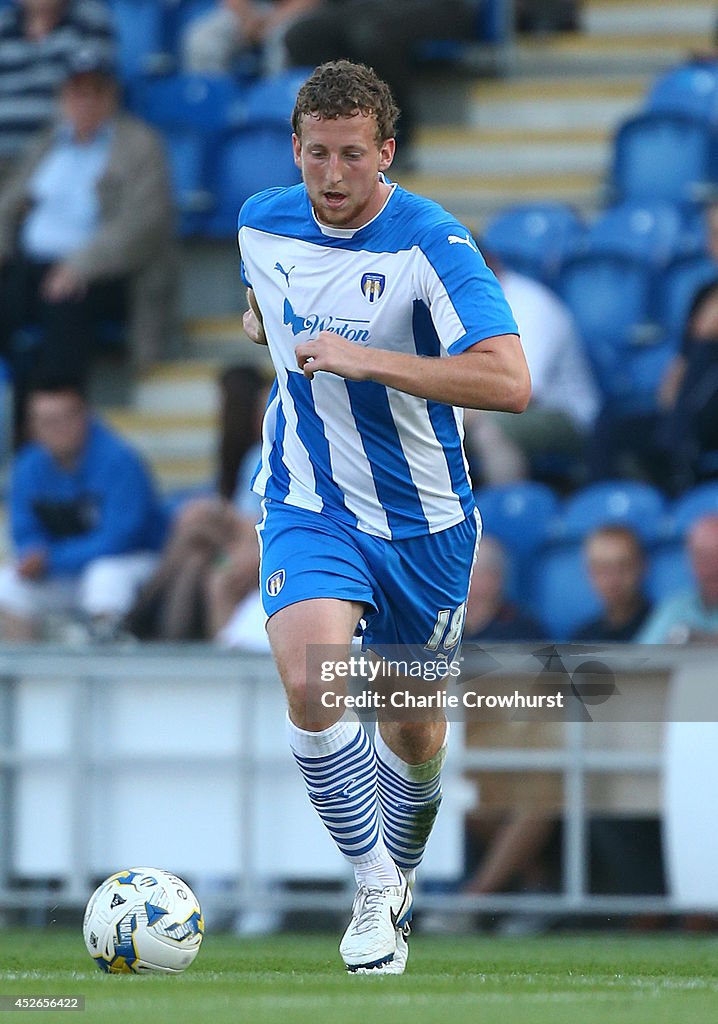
[(669, 17), (606, 53), (187, 385), (474, 197), (176, 475), (223, 338), (554, 103), (516, 153), (180, 447), (172, 437)]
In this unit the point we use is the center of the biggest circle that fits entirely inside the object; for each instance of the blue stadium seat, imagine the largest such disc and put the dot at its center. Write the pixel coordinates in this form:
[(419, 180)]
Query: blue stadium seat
[(561, 594), (699, 501), (612, 299), (616, 502), (187, 154), (177, 14), (533, 238), (669, 571), (141, 47), (679, 283), (519, 514), (687, 89), (247, 161), (695, 238), (271, 100), (664, 156), (205, 102), (651, 231)]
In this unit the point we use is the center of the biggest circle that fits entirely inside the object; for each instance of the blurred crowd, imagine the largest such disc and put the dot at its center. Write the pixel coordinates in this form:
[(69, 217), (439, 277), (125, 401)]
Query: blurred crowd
[(88, 248)]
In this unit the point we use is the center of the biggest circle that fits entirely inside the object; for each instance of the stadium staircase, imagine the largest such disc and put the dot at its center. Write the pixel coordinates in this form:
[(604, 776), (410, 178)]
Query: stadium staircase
[(542, 132)]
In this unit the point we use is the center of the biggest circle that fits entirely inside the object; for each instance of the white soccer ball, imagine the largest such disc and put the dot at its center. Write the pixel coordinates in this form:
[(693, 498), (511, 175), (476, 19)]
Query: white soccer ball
[(143, 920)]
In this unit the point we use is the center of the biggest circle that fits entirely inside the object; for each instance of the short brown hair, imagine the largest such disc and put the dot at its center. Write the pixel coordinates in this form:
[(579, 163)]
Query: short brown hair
[(617, 531), (341, 88)]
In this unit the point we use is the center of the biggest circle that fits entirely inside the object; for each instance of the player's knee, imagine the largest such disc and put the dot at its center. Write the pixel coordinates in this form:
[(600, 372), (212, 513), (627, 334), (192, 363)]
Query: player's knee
[(300, 692), (417, 742), (311, 704)]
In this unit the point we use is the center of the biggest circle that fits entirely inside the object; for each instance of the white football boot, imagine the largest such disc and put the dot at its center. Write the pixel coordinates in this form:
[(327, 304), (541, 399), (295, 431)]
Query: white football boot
[(376, 932)]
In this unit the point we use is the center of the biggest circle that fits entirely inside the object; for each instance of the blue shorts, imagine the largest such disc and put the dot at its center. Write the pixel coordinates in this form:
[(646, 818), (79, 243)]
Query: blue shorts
[(413, 590)]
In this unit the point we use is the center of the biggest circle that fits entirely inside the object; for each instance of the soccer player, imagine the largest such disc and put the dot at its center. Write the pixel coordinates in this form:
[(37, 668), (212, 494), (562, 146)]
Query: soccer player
[(383, 322)]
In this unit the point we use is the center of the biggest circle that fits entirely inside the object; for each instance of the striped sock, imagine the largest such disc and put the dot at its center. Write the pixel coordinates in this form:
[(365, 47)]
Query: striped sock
[(339, 769), (409, 797)]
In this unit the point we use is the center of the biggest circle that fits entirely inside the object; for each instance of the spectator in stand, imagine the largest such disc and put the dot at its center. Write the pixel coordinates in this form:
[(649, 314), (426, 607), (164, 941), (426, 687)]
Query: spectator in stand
[(382, 35), (213, 41), (85, 520), (211, 563), (691, 616), (616, 566), (86, 227), (490, 616), (626, 852), (38, 39), (688, 395), (565, 399), (667, 446)]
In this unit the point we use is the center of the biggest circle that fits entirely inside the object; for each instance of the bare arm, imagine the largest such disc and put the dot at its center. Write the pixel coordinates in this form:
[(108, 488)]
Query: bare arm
[(490, 375), (253, 322)]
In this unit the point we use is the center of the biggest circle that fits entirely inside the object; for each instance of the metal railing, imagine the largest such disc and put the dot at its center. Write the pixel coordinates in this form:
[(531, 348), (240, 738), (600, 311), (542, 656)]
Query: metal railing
[(88, 675)]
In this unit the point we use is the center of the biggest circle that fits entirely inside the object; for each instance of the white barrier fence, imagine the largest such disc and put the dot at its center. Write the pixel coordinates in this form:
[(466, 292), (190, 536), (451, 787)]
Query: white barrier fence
[(177, 757)]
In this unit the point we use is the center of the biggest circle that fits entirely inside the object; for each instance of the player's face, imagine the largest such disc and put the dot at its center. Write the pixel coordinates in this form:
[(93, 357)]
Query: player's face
[(340, 161)]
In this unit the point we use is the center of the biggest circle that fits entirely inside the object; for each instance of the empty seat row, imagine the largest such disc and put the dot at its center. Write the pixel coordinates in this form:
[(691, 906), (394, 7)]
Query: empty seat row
[(225, 140), (629, 279), (538, 238)]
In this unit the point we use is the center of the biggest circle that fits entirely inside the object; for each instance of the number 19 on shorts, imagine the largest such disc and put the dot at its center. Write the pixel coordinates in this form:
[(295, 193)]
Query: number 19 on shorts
[(447, 629)]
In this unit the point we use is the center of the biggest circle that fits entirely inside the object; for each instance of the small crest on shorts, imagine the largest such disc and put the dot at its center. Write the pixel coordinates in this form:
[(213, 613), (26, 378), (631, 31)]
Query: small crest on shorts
[(373, 286), (276, 582)]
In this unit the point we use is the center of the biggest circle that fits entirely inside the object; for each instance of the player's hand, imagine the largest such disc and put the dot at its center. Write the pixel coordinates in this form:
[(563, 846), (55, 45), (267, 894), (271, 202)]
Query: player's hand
[(33, 565), (252, 321), (334, 354), (62, 283)]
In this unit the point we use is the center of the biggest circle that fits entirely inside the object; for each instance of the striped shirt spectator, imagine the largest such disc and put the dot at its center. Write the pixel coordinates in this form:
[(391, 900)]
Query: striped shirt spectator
[(36, 44)]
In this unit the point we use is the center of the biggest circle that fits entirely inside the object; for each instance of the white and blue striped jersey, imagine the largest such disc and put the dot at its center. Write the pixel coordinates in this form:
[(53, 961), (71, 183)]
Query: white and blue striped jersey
[(411, 280)]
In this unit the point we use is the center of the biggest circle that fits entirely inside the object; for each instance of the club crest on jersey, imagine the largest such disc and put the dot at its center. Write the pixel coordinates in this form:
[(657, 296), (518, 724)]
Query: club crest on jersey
[(373, 286), (276, 582)]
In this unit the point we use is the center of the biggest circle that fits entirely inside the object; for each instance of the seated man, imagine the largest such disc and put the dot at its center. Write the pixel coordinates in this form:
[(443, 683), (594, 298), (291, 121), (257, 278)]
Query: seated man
[(692, 615), (37, 40), (85, 520), (616, 567), (674, 444), (87, 214)]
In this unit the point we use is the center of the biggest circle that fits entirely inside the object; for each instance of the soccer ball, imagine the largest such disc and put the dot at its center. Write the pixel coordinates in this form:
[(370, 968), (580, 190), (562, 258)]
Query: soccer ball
[(143, 920)]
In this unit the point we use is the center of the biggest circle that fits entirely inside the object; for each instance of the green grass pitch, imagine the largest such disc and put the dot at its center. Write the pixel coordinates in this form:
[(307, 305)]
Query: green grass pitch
[(298, 979)]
